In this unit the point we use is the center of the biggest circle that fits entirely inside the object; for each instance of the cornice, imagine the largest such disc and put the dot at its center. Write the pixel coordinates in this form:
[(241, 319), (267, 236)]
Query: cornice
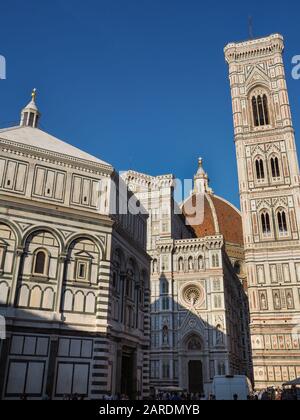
[(275, 134), (277, 246), (148, 180), (211, 242), (267, 193), (52, 209), (252, 49), (58, 159)]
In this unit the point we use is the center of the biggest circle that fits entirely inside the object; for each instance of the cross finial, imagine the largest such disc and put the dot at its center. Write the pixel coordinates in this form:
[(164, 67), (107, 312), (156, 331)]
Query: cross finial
[(34, 93)]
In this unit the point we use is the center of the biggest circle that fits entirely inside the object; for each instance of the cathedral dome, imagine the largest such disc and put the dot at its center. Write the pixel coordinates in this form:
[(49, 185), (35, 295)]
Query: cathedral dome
[(220, 217)]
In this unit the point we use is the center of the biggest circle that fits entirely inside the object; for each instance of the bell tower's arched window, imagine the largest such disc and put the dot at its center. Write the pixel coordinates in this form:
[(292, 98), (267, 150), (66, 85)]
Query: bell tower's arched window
[(266, 223), (260, 169), (260, 109), (282, 222), (275, 167)]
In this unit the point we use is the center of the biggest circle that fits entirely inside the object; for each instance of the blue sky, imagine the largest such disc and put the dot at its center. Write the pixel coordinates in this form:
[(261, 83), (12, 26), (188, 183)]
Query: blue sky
[(140, 83)]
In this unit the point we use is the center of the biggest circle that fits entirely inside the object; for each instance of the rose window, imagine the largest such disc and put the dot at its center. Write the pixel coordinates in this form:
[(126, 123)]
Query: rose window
[(192, 296)]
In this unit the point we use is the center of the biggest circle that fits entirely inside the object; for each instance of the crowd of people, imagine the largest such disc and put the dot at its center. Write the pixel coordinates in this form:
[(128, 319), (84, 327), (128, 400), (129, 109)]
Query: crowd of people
[(278, 394), (270, 394)]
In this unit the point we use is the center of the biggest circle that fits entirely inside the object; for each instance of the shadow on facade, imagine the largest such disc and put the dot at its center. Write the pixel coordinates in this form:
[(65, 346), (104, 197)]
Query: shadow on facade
[(198, 334), (43, 357)]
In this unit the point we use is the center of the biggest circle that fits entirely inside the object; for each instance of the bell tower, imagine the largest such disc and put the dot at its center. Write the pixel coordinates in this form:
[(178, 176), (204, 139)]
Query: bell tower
[(269, 186)]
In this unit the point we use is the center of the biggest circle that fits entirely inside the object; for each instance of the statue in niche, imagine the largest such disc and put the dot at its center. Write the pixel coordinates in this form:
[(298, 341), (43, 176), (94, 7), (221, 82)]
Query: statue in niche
[(191, 264), (219, 336), (165, 336), (277, 301), (155, 266), (263, 301), (200, 263), (165, 321), (181, 264), (290, 303)]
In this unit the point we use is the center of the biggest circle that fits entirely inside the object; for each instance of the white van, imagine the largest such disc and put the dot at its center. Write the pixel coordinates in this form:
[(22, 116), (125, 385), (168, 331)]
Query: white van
[(226, 387)]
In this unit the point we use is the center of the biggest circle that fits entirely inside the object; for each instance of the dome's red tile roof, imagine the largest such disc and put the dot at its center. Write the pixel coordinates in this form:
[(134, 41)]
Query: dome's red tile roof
[(218, 212)]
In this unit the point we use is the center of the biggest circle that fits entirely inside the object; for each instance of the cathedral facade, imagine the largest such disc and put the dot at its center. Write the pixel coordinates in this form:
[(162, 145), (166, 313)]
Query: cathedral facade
[(199, 308), (270, 199), (74, 278)]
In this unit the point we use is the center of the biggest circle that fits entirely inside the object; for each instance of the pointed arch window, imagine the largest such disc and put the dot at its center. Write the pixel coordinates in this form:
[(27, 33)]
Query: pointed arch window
[(266, 224), (275, 167), (282, 222), (260, 169), (260, 110)]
